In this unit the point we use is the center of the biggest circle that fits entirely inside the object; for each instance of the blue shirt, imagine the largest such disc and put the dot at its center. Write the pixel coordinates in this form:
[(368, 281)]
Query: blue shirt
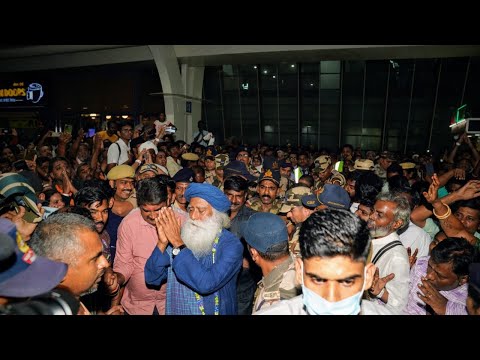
[(186, 275), (111, 227)]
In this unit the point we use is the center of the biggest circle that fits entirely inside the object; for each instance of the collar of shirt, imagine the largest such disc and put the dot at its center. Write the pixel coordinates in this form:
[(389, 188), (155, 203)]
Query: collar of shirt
[(379, 242), (276, 274)]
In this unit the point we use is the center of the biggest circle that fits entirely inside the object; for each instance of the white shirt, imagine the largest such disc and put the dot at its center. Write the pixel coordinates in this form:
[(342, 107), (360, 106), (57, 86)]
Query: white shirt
[(112, 155), (354, 207), (416, 238), (203, 139), (394, 261), (295, 306)]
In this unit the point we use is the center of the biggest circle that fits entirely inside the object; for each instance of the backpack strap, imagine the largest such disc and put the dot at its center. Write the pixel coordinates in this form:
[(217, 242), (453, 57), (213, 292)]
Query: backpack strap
[(119, 153), (384, 249)]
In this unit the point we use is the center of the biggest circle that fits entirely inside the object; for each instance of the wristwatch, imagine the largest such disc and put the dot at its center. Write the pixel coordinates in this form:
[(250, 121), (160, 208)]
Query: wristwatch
[(177, 250)]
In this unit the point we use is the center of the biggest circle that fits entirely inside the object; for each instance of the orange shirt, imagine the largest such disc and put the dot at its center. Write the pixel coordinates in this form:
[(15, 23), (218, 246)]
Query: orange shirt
[(104, 136)]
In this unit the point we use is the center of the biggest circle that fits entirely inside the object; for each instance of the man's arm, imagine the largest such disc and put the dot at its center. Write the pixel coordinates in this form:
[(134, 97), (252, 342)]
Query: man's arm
[(206, 280), (156, 267)]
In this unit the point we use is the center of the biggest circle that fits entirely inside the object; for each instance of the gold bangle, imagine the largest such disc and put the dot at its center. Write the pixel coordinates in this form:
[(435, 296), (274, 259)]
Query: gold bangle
[(444, 216)]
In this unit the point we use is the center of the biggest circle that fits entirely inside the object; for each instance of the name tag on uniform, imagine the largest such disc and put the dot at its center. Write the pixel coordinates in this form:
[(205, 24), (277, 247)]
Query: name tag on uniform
[(271, 295)]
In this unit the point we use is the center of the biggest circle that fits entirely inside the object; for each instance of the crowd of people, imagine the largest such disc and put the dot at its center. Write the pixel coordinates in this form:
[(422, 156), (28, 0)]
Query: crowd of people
[(136, 222)]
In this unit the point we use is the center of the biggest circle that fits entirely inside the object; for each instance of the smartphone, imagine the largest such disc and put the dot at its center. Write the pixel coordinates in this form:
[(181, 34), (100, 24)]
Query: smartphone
[(30, 155), (429, 168), (68, 129), (55, 134), (170, 129), (91, 133)]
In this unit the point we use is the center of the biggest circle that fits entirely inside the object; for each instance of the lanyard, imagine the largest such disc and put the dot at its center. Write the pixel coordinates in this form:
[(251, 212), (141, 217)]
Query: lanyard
[(198, 297)]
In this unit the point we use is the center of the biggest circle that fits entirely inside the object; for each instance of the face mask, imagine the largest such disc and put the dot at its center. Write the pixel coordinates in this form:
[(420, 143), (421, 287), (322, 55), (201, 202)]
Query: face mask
[(317, 305)]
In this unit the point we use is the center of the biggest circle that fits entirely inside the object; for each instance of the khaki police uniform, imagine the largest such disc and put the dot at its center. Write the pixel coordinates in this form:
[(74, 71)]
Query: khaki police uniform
[(278, 285), (285, 185), (210, 176), (256, 204), (335, 178), (294, 244)]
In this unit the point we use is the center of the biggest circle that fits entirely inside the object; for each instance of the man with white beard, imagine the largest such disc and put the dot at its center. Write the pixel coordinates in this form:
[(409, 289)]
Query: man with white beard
[(391, 213), (200, 261)]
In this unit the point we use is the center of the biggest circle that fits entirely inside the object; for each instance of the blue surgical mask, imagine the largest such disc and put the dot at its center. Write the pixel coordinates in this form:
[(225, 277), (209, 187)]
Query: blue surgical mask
[(317, 305)]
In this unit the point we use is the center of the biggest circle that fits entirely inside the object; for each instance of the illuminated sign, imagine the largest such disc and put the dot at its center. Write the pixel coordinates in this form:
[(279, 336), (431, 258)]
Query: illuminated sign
[(22, 94)]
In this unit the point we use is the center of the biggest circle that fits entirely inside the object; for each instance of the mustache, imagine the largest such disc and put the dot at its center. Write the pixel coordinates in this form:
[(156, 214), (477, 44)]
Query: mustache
[(100, 222), (198, 223)]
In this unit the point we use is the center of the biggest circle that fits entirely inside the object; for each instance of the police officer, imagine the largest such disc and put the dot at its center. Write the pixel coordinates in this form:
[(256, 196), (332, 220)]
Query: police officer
[(296, 213), (286, 183), (268, 185), (267, 239), (326, 173)]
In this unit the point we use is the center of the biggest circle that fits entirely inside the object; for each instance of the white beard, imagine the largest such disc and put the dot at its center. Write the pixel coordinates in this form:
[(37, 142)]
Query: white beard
[(379, 232), (199, 235)]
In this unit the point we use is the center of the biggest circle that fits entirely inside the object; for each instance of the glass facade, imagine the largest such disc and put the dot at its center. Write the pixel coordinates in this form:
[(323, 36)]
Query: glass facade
[(400, 105)]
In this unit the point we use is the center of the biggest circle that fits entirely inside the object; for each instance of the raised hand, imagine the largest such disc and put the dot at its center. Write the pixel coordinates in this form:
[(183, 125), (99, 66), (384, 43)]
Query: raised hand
[(65, 138), (162, 237), (141, 154), (110, 278), (432, 193), (470, 190), (412, 258), (431, 296), (170, 226), (23, 227), (459, 173), (148, 157), (379, 283)]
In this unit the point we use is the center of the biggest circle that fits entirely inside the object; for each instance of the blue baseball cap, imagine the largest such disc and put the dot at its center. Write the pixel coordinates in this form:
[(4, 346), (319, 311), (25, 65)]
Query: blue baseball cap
[(237, 167), (22, 272), (285, 164), (334, 196), (263, 230), (310, 201), (184, 175)]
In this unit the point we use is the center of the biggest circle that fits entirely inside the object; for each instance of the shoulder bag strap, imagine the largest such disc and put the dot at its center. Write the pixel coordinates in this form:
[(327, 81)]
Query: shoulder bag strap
[(384, 249)]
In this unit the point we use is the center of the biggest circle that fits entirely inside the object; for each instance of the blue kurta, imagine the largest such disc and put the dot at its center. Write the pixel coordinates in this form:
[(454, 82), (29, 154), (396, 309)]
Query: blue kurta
[(186, 275)]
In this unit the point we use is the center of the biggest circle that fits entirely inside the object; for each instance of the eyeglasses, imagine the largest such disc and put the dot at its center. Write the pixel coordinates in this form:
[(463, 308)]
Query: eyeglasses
[(244, 155)]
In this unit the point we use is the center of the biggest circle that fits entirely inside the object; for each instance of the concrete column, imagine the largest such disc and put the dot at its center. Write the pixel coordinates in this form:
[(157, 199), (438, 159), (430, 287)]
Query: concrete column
[(178, 88), (169, 71), (192, 79)]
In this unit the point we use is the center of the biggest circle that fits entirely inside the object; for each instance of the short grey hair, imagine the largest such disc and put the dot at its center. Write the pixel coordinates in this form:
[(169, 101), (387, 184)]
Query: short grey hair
[(402, 211), (57, 237)]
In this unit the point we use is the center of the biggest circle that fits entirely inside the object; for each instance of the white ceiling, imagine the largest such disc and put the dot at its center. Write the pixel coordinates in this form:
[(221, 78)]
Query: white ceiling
[(42, 57)]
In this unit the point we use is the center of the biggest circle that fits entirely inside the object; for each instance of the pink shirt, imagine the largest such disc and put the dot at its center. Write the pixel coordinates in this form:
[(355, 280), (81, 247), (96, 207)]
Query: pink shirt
[(136, 241)]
